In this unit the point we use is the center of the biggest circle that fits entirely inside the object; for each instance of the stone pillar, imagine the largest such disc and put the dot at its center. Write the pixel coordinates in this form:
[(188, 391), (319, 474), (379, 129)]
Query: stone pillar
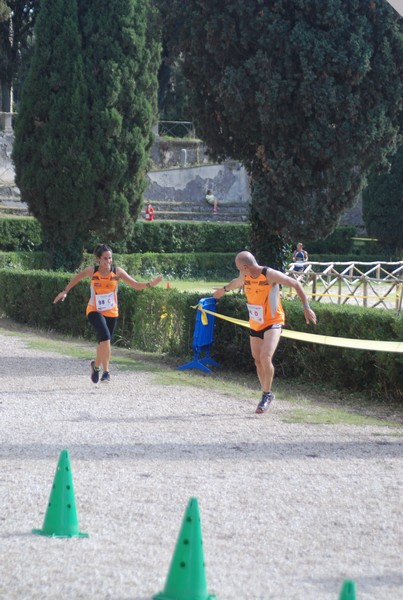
[(184, 157)]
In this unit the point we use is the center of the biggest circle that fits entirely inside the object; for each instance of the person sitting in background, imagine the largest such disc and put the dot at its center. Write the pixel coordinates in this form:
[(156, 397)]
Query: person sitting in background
[(149, 212), (212, 200), (299, 256)]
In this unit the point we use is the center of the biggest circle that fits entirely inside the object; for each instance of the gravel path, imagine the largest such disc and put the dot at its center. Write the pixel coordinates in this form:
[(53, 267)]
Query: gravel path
[(288, 511)]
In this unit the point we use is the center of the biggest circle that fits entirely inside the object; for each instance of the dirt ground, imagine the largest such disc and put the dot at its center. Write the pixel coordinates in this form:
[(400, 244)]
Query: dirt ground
[(288, 510)]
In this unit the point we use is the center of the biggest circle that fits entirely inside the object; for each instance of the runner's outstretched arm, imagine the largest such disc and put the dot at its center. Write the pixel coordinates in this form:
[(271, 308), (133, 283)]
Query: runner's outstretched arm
[(62, 295), (232, 285)]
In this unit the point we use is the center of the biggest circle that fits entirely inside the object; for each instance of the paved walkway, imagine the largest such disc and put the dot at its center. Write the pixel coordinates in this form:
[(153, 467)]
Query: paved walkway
[(288, 511)]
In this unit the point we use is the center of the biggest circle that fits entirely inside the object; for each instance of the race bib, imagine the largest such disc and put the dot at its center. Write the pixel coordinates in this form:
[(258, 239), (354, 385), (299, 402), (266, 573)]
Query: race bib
[(256, 313), (105, 301)]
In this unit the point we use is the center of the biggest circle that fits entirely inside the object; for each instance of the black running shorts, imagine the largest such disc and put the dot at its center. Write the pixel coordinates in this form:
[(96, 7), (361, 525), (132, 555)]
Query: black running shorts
[(261, 332), (104, 326)]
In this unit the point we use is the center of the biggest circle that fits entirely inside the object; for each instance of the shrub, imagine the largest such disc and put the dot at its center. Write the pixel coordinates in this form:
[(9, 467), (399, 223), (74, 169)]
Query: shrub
[(24, 233), (175, 236), (20, 233), (23, 260), (208, 265), (338, 242), (350, 258)]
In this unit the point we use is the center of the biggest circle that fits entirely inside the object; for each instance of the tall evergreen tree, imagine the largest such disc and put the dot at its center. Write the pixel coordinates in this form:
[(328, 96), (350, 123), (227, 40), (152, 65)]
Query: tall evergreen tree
[(84, 126), (52, 166), (383, 206), (15, 36), (121, 57), (307, 93)]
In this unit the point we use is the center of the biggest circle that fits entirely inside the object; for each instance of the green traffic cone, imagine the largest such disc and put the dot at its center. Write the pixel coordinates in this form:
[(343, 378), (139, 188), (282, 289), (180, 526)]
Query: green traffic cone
[(61, 515), (348, 591), (186, 578)]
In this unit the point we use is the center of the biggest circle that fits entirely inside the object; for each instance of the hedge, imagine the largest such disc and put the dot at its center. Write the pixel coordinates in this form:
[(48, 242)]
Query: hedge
[(24, 233), (27, 297), (326, 258), (160, 320), (338, 242), (23, 260), (20, 233), (208, 265), (182, 236)]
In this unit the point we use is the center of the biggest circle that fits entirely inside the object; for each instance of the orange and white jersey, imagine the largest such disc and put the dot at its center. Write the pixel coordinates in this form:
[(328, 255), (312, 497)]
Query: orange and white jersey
[(104, 290), (264, 303)]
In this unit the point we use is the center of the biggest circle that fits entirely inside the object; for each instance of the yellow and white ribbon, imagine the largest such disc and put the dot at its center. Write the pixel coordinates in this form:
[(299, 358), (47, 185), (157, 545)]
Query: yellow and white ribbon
[(327, 340)]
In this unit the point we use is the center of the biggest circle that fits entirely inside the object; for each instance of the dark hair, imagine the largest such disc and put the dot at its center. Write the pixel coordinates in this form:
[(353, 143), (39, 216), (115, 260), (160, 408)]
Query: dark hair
[(100, 249)]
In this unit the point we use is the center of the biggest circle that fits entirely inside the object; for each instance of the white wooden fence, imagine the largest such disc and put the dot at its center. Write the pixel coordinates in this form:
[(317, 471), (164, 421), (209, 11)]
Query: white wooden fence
[(376, 284)]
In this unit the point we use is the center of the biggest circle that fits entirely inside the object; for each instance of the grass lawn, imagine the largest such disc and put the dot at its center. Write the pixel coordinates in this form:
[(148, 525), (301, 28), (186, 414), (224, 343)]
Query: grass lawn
[(206, 287)]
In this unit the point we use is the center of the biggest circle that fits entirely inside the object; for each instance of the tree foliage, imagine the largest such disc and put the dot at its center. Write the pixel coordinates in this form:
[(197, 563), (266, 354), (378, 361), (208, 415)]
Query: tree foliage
[(52, 166), (383, 206), (307, 93), (173, 101), (15, 36), (84, 125), (121, 60)]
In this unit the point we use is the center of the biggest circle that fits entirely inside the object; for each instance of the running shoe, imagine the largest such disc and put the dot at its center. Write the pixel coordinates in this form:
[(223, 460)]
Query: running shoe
[(94, 372), (105, 377), (264, 404)]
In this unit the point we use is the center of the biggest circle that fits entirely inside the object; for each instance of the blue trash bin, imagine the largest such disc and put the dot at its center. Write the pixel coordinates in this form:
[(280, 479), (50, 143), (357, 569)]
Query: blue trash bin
[(203, 337)]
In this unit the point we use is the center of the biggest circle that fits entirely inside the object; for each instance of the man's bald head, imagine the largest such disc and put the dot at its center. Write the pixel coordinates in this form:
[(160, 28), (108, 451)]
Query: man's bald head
[(245, 259)]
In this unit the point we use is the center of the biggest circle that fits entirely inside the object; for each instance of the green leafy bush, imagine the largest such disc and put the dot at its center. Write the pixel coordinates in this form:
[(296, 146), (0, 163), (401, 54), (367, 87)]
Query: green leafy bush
[(24, 233), (350, 258), (20, 233), (186, 236), (23, 260), (338, 242), (206, 265)]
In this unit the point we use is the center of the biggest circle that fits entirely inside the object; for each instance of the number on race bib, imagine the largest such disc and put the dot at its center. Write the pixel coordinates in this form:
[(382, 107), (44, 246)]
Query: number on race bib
[(105, 301), (256, 313)]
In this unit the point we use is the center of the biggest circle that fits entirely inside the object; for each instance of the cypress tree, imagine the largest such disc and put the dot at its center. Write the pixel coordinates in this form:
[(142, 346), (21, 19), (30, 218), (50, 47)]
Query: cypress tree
[(52, 166), (121, 57), (15, 46), (84, 125)]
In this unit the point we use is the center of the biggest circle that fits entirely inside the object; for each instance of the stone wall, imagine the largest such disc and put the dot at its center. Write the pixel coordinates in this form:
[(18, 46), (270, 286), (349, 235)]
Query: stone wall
[(228, 181), (167, 153), (182, 172)]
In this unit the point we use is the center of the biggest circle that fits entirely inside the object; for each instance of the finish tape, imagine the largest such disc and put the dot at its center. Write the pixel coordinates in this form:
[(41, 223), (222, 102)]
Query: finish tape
[(327, 340)]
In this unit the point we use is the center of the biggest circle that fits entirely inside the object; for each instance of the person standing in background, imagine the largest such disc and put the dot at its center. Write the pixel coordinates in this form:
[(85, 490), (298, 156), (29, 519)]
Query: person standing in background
[(299, 256)]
